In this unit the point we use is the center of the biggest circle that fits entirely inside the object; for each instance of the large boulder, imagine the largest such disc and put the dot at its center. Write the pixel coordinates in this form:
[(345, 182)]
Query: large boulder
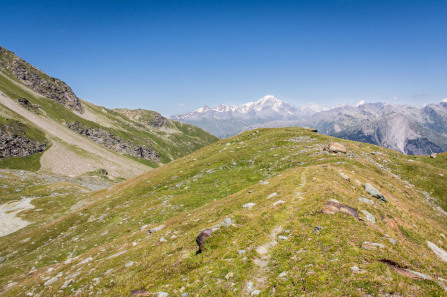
[(374, 192), (335, 147), (204, 234)]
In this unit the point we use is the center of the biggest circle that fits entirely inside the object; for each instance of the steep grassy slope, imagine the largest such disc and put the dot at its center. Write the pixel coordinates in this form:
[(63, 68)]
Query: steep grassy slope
[(282, 245), (149, 138)]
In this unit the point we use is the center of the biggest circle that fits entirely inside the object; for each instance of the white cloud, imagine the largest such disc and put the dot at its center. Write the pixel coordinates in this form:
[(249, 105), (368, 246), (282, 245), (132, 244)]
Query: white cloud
[(395, 98), (181, 104), (444, 100)]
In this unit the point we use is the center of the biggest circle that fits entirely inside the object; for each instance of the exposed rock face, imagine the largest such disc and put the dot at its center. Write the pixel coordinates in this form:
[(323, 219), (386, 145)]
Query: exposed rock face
[(40, 82), (333, 207), (13, 145), (114, 142), (158, 121)]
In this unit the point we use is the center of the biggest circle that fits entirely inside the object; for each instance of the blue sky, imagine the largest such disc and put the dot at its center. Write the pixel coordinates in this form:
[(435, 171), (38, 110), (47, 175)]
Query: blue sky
[(175, 56)]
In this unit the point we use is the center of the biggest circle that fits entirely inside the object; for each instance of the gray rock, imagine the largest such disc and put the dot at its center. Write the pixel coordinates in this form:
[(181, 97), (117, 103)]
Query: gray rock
[(365, 200), (51, 280), (241, 252), (369, 217), (162, 294), (372, 245), (393, 241), (156, 229), (438, 251), (272, 195), (434, 155), (374, 192), (248, 205), (420, 275), (67, 283), (279, 202), (130, 263), (2, 259), (184, 295), (344, 176), (283, 237), (228, 222), (255, 293)]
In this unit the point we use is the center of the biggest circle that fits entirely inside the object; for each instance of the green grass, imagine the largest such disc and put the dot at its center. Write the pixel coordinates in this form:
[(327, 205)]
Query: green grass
[(30, 163), (201, 189)]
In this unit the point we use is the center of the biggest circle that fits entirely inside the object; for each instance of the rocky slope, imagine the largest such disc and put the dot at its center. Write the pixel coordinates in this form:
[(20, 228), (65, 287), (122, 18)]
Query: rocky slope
[(39, 81), (15, 142), (286, 213), (407, 129), (114, 140)]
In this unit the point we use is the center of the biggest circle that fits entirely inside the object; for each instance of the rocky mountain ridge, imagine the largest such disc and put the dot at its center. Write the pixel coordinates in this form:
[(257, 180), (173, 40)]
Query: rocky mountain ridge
[(74, 136), (39, 81)]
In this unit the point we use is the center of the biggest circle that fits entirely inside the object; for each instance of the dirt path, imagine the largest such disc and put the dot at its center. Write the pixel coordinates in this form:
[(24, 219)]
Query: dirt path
[(258, 281), (55, 160)]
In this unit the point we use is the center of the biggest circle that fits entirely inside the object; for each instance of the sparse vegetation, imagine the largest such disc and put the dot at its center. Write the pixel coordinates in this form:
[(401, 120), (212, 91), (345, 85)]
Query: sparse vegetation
[(92, 245)]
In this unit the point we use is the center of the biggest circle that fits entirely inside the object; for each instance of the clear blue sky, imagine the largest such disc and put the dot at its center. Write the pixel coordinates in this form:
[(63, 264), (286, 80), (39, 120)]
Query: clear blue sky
[(175, 56)]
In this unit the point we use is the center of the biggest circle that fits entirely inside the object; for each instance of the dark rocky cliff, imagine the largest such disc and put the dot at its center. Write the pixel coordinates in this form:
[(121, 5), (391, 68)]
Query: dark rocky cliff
[(115, 143), (38, 81), (14, 143)]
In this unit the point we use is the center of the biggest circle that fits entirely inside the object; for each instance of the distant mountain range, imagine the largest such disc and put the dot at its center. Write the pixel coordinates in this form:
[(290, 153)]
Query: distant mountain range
[(407, 129)]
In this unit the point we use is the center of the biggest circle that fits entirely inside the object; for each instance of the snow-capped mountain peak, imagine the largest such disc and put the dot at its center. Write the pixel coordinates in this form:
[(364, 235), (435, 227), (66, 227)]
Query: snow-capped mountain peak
[(267, 107), (361, 102)]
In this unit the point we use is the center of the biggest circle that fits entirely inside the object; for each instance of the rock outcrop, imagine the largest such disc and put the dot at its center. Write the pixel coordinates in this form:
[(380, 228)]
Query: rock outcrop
[(202, 237), (115, 143), (335, 147), (14, 145), (157, 121), (40, 82)]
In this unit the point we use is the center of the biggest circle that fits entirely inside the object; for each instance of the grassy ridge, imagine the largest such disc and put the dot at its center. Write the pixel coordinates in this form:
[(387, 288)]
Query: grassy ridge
[(198, 191)]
